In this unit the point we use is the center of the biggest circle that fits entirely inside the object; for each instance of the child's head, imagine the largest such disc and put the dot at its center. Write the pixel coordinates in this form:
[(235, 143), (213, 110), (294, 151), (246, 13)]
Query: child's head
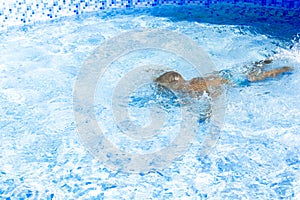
[(169, 78)]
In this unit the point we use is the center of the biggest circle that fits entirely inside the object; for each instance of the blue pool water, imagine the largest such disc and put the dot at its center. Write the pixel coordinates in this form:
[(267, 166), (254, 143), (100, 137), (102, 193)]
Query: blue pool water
[(42, 157)]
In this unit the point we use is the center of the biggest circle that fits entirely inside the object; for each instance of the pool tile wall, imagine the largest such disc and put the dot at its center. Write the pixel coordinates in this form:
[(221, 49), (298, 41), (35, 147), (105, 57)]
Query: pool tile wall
[(18, 12)]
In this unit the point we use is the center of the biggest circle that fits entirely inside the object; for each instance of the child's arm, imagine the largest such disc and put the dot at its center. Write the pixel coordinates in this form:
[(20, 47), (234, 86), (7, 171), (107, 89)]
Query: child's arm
[(266, 74)]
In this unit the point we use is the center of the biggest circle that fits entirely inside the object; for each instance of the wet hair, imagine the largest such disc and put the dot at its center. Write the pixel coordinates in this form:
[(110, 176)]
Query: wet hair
[(169, 77)]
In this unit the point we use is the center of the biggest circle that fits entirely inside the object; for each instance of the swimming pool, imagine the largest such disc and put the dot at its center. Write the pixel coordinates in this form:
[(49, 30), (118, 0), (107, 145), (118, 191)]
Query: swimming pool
[(257, 154)]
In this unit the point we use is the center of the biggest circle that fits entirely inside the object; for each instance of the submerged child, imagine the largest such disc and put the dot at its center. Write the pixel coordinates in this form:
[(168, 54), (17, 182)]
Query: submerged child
[(175, 82)]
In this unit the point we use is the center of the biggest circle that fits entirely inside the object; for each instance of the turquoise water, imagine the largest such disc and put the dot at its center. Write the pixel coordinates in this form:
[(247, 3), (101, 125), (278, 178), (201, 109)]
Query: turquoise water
[(42, 157)]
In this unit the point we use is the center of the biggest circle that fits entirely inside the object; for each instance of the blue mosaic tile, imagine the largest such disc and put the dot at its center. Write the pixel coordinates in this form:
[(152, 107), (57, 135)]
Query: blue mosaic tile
[(18, 12)]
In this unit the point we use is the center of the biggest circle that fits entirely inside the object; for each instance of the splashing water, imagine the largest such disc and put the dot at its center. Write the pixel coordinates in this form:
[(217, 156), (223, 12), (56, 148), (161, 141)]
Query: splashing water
[(257, 156)]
